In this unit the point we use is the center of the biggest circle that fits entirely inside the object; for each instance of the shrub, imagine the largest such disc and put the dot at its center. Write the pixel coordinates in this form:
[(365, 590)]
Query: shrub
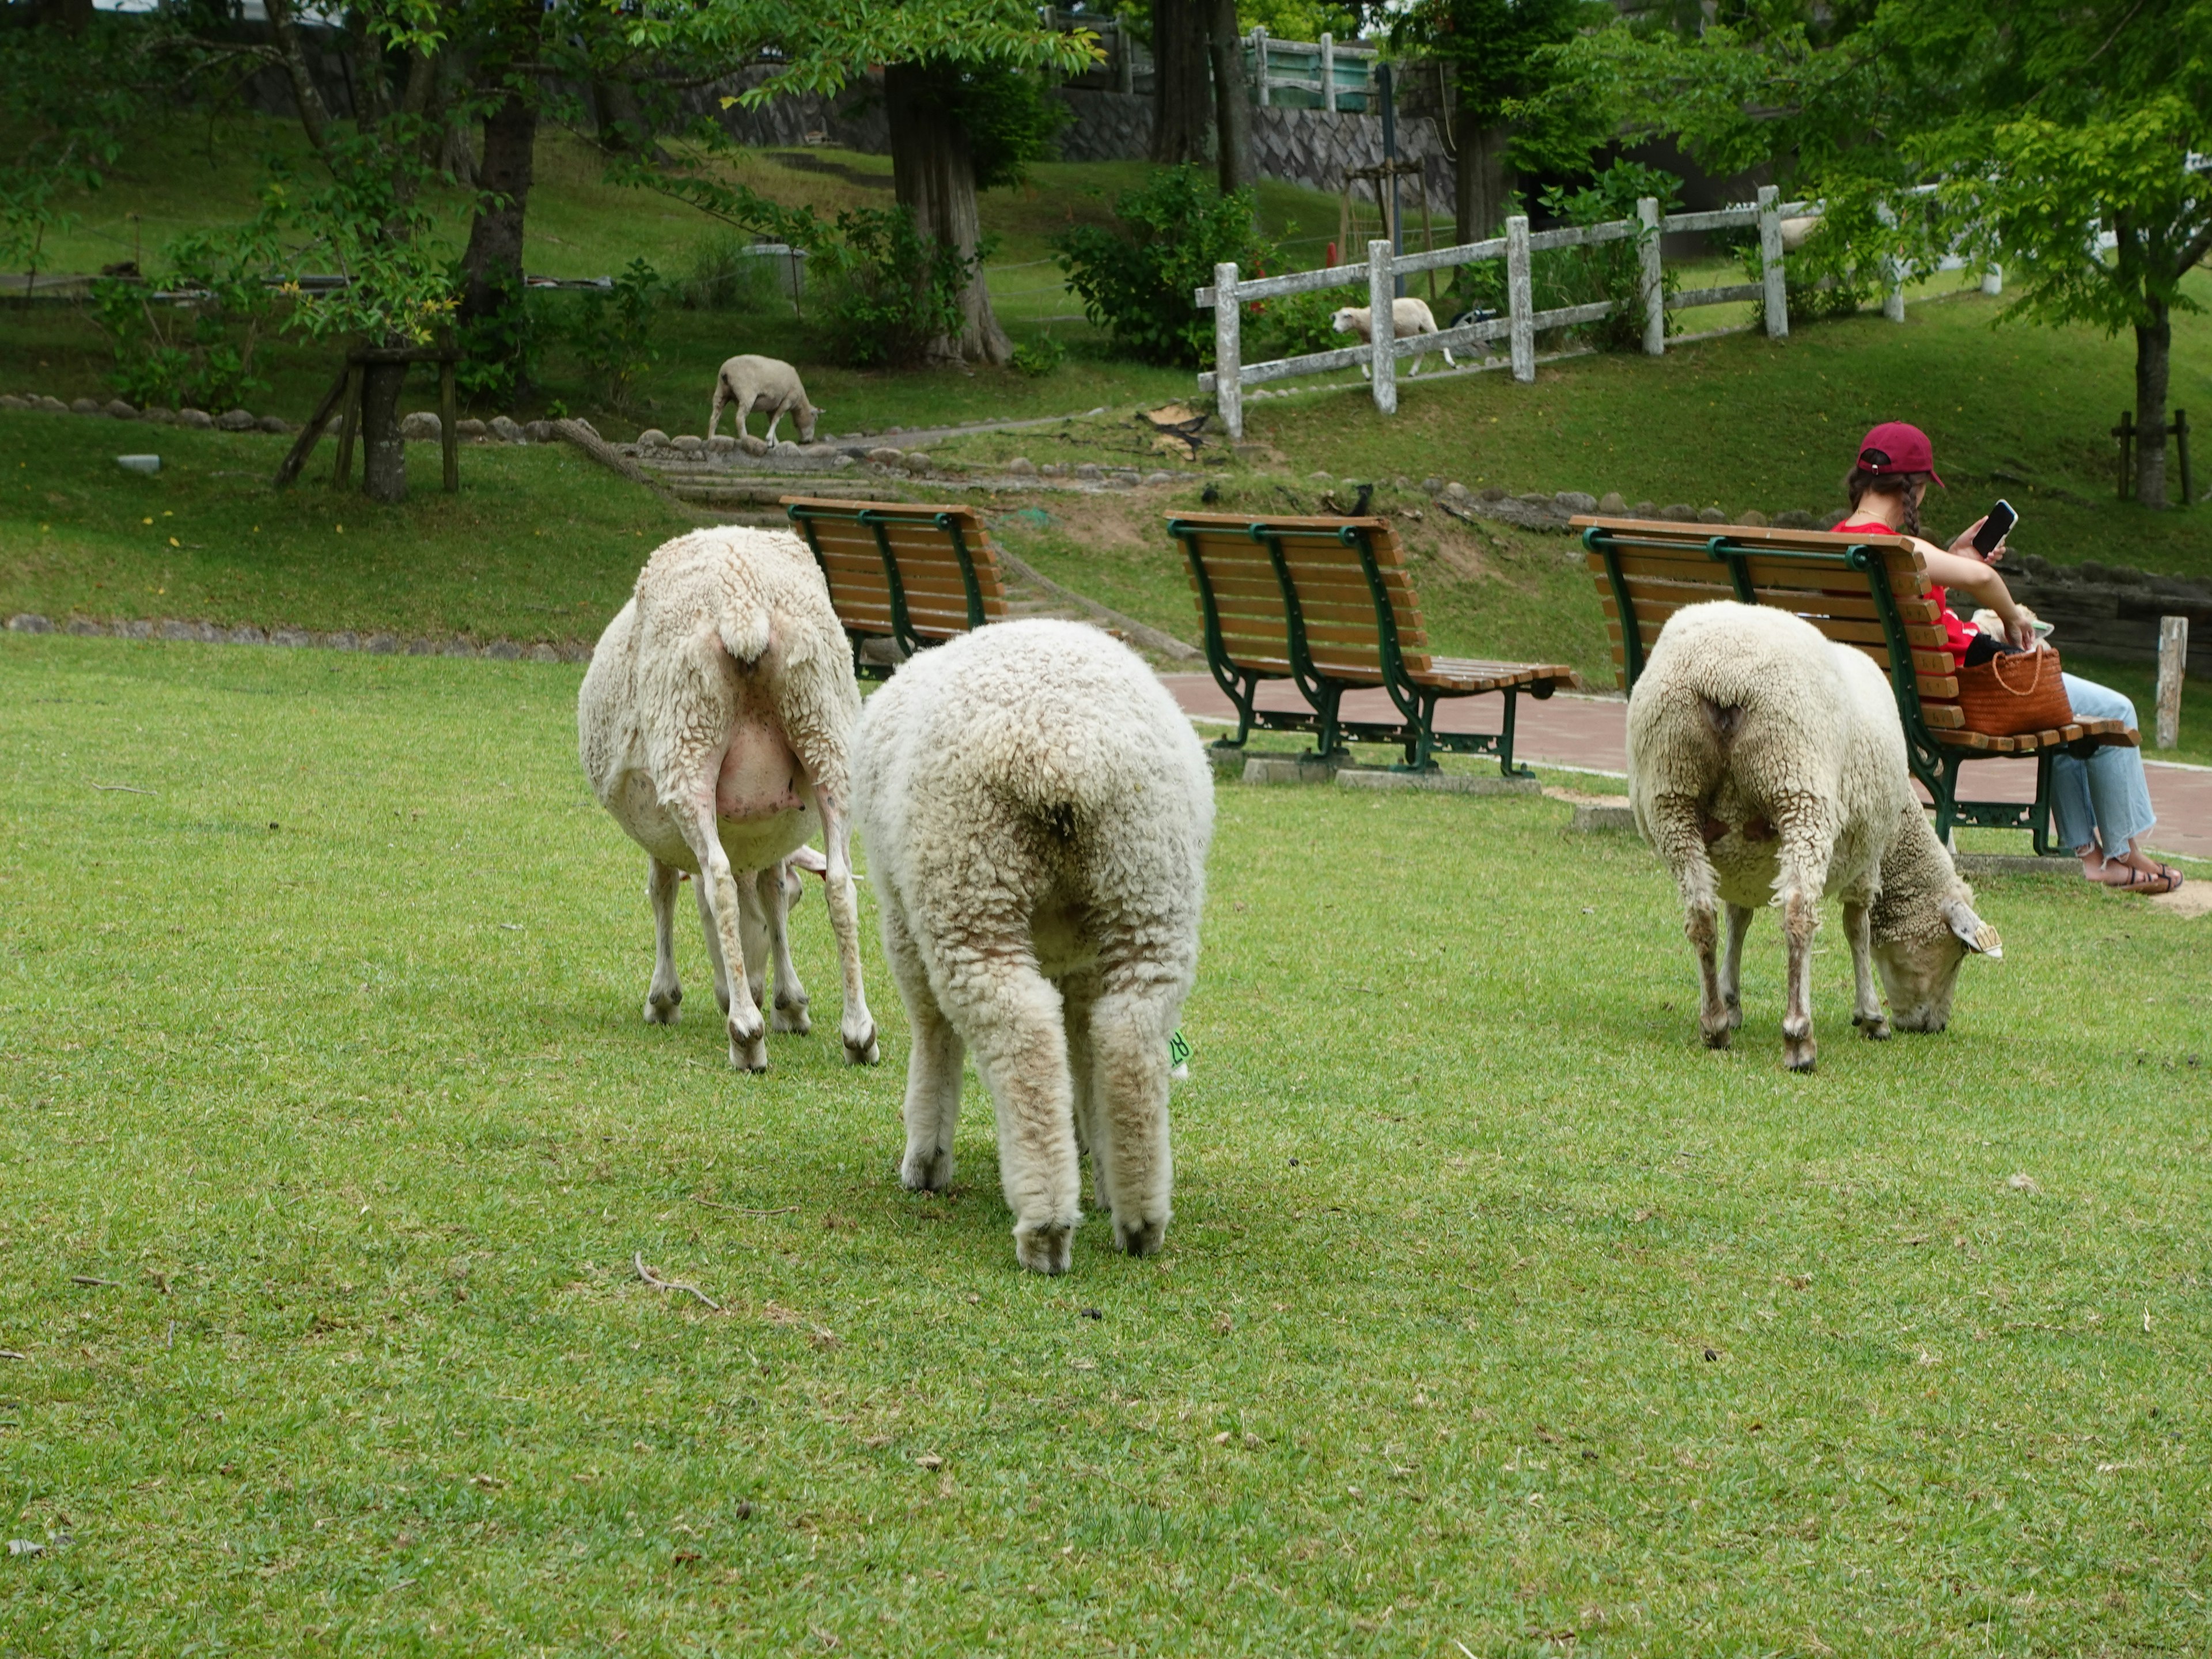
[(1039, 357), (613, 333), (1136, 281), (197, 353), (726, 276), (1838, 268), (892, 292), (500, 350), (1292, 325), (1611, 270)]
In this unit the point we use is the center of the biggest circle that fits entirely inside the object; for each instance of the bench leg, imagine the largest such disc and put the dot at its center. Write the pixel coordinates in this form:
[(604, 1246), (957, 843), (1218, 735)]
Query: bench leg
[(2039, 815), (1505, 740), (1946, 791), (1329, 746)]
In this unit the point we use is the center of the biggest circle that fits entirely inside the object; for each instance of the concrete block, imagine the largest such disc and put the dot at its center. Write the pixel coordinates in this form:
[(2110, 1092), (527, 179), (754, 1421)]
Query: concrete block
[(1288, 768), (1441, 783)]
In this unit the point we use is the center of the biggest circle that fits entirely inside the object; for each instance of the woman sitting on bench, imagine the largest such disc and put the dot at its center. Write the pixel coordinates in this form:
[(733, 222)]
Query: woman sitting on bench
[(2101, 805)]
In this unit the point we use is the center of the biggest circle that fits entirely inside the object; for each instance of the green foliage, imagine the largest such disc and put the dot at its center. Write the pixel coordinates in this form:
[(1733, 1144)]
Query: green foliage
[(1039, 357), (1294, 325), (726, 276), (1500, 54), (66, 103), (1011, 118), (197, 353), (612, 332), (893, 292), (1611, 270), (1137, 280), (500, 348)]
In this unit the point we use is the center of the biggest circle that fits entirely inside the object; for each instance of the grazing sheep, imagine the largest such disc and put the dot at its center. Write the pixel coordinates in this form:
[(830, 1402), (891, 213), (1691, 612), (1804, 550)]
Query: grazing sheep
[(1036, 811), (1407, 319), (713, 725), (765, 384), (1765, 760), (1794, 231)]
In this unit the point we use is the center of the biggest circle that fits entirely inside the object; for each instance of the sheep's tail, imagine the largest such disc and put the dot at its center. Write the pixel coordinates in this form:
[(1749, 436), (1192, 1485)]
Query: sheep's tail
[(1724, 720), (745, 626)]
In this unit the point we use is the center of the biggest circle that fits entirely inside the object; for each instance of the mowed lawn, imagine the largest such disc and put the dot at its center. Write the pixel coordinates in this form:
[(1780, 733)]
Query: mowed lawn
[(1495, 1311)]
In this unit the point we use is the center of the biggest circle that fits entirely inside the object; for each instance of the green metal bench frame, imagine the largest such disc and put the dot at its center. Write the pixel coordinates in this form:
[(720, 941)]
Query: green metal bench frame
[(1416, 734), (878, 521), (1934, 762)]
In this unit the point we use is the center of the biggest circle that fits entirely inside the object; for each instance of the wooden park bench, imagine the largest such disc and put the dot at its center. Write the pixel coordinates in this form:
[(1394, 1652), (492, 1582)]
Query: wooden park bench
[(912, 576), (1329, 604), (1872, 592)]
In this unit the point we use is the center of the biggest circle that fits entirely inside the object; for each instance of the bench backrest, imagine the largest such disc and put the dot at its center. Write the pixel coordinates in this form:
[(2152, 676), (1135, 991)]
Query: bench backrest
[(1869, 591), (918, 575), (1252, 575)]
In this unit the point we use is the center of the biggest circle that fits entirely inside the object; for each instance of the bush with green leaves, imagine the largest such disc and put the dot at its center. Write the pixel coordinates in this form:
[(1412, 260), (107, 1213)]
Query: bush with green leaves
[(1136, 280), (1836, 269), (892, 292), (727, 275), (1610, 271), (196, 352), (1039, 357), (500, 348), (612, 333), (1293, 325)]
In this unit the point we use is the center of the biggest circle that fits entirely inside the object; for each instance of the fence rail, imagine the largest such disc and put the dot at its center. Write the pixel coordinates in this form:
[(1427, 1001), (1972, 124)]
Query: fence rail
[(1523, 322)]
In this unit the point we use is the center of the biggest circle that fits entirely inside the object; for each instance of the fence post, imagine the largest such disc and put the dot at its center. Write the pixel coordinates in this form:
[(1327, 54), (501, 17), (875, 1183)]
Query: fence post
[(1770, 263), (1328, 73), (1382, 327), (1228, 351), (2173, 663), (2181, 443), (1655, 294), (1259, 60), (1993, 281), (1892, 270), (1520, 307)]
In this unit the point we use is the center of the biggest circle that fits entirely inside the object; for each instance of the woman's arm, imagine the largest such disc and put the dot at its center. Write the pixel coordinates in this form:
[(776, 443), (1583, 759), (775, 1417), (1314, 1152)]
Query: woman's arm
[(1971, 576)]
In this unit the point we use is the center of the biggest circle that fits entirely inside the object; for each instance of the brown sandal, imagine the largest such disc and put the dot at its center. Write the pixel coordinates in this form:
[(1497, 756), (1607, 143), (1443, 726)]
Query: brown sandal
[(2143, 881)]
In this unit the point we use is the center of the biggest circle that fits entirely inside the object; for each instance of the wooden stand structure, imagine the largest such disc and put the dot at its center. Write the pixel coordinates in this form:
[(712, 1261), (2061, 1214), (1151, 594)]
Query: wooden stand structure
[(345, 395)]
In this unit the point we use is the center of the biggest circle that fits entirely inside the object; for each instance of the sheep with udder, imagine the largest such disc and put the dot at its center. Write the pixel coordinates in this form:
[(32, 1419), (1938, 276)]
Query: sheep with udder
[(765, 384), (1407, 319), (714, 724), (1766, 764), (1036, 811)]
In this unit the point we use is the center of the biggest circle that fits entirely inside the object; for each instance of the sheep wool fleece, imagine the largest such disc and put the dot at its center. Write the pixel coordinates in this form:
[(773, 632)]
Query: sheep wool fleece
[(1037, 812), (713, 724), (1767, 763)]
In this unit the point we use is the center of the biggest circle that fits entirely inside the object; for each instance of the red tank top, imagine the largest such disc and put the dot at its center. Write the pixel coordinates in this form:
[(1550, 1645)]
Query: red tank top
[(1956, 636)]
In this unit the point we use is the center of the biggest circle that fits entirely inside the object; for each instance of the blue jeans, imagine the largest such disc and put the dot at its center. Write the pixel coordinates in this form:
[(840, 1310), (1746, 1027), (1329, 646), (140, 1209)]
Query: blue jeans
[(2103, 798)]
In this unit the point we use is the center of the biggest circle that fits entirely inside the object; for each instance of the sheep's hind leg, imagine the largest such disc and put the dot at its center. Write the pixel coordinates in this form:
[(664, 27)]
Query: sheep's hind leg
[(1677, 837), (931, 1112), (1801, 916), (663, 996), (1865, 1002), (790, 1002), (1130, 1024), (713, 935), (856, 1024), (1738, 922), (718, 909), (1093, 1138)]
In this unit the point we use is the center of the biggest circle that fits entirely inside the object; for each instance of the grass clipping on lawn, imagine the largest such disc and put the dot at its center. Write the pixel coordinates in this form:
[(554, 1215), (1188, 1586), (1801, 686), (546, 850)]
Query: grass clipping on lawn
[(346, 1196)]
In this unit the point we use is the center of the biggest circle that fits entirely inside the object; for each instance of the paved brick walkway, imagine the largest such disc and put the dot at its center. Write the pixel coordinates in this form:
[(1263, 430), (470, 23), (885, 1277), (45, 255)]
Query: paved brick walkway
[(1592, 732)]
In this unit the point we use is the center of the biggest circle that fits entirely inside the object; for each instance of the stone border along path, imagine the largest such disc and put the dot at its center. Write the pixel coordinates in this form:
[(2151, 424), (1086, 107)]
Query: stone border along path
[(376, 644)]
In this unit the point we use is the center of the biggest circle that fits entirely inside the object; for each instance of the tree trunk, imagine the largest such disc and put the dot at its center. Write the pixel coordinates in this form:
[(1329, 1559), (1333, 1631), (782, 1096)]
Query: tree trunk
[(72, 17), (934, 178), (1182, 81), (491, 270), (2153, 352), (622, 129), (1233, 104), (1482, 183), (383, 452)]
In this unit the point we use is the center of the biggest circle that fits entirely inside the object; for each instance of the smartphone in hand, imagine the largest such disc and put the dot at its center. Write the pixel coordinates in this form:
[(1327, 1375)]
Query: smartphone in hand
[(1995, 528)]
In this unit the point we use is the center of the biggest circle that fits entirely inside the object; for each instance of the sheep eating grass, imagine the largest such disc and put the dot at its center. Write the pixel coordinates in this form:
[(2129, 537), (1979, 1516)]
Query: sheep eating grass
[(1408, 317), (1767, 763), (1036, 811), (768, 384), (713, 724)]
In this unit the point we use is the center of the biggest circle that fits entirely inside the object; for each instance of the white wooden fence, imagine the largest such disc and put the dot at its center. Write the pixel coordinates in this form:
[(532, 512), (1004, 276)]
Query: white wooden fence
[(1328, 71), (1521, 322)]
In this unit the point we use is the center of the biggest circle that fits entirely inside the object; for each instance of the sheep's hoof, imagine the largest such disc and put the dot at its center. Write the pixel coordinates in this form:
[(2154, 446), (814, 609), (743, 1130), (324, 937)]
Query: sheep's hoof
[(929, 1169), (1140, 1238), (1797, 1054), (661, 1007), (1716, 1029), (1874, 1027), (867, 1052), (1048, 1249), (791, 1015), (1735, 1013), (749, 1049)]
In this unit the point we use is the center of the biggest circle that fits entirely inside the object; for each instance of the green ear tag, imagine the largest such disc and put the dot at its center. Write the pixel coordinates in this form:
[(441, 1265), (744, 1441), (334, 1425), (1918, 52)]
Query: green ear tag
[(1178, 1048)]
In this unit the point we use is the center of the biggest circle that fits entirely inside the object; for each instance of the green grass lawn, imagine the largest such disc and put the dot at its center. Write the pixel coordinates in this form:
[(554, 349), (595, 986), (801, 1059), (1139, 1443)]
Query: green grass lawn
[(1496, 1311)]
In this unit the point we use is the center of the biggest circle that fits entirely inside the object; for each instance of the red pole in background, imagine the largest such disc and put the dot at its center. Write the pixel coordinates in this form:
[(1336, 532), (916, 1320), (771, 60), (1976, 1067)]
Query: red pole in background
[(1332, 255)]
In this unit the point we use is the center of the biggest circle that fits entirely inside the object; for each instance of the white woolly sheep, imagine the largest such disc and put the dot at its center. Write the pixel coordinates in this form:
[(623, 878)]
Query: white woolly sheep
[(1767, 764), (1407, 319), (713, 724), (767, 384), (1036, 811)]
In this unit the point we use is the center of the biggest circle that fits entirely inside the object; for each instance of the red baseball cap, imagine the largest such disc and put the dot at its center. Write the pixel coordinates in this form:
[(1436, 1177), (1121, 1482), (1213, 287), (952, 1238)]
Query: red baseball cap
[(1898, 446)]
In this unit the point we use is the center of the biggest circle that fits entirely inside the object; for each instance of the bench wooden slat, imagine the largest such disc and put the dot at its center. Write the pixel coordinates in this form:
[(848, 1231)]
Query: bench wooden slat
[(931, 601)]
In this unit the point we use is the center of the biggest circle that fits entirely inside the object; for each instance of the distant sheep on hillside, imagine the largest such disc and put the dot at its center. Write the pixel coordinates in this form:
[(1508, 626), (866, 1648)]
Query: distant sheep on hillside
[(1408, 317)]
